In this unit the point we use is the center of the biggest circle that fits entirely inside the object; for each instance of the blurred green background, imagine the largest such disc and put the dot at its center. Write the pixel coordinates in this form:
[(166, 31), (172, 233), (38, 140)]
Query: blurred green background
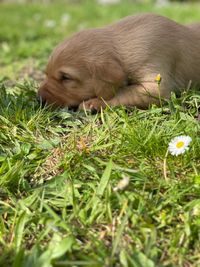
[(29, 29)]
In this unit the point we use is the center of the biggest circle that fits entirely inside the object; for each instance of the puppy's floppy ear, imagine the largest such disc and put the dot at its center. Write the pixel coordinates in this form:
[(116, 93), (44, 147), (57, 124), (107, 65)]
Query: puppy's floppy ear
[(110, 77)]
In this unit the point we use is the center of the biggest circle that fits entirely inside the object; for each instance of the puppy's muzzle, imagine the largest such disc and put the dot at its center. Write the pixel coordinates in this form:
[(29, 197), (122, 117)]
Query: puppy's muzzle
[(43, 103)]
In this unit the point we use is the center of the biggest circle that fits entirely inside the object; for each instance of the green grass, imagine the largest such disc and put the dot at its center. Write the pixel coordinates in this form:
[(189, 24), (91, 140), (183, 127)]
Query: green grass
[(58, 169)]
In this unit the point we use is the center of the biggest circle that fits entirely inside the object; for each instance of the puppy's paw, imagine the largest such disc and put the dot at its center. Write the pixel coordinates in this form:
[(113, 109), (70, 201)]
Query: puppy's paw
[(94, 104)]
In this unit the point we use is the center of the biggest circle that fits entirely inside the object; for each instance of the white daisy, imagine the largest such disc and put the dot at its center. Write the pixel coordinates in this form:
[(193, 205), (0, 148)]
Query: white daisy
[(65, 19), (50, 23), (179, 145)]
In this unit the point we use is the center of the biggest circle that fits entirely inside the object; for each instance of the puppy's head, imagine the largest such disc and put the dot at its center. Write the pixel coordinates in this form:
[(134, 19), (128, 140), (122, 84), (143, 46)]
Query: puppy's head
[(81, 68), (68, 81)]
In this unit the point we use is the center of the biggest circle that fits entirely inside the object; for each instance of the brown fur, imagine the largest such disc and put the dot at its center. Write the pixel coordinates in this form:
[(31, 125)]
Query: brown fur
[(118, 64)]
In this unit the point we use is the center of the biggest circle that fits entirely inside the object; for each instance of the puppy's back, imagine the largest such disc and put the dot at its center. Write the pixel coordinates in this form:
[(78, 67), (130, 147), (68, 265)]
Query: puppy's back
[(150, 42)]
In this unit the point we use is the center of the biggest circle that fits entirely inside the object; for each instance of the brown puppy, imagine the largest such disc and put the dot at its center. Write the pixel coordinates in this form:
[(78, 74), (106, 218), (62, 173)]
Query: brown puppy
[(118, 64)]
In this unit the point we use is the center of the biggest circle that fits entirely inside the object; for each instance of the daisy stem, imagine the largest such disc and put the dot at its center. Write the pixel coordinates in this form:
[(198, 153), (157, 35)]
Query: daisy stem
[(165, 165)]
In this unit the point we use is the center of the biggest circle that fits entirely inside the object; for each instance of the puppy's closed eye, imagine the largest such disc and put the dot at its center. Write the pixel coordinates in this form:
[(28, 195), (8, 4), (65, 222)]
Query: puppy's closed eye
[(65, 77)]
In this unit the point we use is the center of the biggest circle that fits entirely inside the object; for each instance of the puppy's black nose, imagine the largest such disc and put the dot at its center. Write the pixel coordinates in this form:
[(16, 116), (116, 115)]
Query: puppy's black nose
[(73, 108)]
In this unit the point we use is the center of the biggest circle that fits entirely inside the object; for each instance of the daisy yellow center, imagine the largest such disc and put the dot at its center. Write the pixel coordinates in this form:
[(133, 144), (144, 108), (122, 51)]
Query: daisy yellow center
[(179, 144)]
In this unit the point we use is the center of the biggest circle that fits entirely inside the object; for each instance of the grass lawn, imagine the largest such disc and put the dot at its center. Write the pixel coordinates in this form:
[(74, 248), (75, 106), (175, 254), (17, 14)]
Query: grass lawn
[(60, 201)]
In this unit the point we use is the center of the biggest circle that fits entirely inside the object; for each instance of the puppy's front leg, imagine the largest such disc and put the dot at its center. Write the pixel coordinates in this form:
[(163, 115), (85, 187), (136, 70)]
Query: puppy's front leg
[(141, 96)]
